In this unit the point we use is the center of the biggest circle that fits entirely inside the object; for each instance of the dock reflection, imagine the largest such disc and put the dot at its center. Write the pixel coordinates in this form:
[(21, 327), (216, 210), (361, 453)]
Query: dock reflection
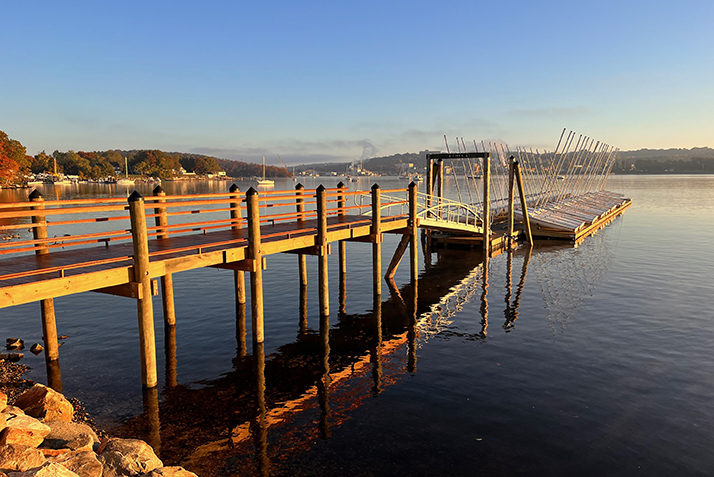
[(310, 386)]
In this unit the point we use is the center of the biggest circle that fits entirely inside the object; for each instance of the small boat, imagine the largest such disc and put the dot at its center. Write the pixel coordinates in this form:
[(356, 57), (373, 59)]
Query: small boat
[(264, 181), (126, 180)]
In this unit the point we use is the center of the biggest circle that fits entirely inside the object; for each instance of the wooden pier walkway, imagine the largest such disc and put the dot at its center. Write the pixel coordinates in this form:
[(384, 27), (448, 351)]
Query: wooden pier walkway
[(109, 245)]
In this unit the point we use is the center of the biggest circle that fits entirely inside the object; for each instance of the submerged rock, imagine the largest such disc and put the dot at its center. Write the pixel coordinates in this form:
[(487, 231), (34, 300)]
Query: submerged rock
[(45, 403), (36, 348)]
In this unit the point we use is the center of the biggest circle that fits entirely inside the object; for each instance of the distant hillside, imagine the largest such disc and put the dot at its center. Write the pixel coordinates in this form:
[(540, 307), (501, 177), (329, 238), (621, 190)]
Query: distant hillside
[(668, 154)]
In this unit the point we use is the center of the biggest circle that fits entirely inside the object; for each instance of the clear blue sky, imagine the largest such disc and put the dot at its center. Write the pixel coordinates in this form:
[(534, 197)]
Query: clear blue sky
[(322, 81)]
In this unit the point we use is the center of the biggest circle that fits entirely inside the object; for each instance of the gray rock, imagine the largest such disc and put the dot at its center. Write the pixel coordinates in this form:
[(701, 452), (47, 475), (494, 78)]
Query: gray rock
[(36, 348), (173, 471), (48, 469), (19, 457), (45, 403), (62, 433), (23, 430), (82, 463), (127, 457)]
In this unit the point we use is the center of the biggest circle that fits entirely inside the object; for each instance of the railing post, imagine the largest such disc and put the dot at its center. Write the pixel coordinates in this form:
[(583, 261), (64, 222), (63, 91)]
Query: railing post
[(300, 205), (145, 309), (440, 182), (342, 249), (487, 205), (238, 275), (322, 248), (256, 275), (511, 162), (167, 281), (47, 307), (376, 235)]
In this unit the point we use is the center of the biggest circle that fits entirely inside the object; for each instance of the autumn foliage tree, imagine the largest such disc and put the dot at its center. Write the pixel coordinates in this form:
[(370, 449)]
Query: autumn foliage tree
[(13, 159)]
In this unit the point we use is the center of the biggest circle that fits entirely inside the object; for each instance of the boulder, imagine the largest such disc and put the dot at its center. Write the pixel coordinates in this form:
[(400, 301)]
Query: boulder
[(3, 421), (45, 403), (15, 343), (127, 457), (19, 457), (13, 410), (173, 471), (3, 400), (12, 356), (36, 348), (23, 430), (48, 469), (84, 464), (72, 435)]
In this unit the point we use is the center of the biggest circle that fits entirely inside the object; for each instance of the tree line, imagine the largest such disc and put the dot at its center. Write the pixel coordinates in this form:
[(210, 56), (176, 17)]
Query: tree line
[(15, 163)]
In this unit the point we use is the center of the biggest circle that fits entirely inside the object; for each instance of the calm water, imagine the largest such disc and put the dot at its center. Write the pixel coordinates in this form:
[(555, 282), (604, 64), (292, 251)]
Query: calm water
[(593, 360)]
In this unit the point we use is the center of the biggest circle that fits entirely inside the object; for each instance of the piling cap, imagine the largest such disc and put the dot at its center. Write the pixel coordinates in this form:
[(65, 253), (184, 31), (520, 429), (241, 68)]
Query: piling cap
[(135, 197), (251, 191), (376, 186), (158, 190), (234, 188), (412, 184), (320, 188), (341, 185), (35, 194), (299, 186)]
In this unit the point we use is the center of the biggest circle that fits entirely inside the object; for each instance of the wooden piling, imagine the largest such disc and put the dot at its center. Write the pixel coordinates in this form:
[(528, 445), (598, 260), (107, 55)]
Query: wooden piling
[(300, 205), (321, 243), (167, 282), (413, 229), (440, 180), (145, 308), (47, 307), (342, 250), (487, 205), (376, 236), (238, 275), (256, 259), (524, 206), (170, 356)]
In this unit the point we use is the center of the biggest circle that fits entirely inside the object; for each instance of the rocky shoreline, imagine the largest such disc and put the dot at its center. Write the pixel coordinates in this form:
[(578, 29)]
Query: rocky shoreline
[(45, 435)]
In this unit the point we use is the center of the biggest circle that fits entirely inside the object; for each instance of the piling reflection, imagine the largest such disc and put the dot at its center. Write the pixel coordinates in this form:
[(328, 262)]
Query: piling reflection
[(241, 344), (54, 375), (412, 331), (511, 310), (484, 299), (259, 426), (303, 310), (376, 348), (170, 353), (151, 412), (323, 384)]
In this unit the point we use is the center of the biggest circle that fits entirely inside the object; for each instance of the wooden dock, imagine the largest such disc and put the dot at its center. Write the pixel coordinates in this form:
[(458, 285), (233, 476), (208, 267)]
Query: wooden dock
[(134, 243)]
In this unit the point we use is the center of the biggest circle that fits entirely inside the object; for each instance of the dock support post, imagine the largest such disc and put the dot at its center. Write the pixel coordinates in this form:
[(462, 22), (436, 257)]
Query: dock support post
[(144, 305), (376, 233), (256, 274), (238, 275), (47, 307), (302, 262), (322, 247), (440, 181), (524, 206), (414, 227), (167, 281), (429, 193), (342, 250), (511, 173), (487, 206)]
